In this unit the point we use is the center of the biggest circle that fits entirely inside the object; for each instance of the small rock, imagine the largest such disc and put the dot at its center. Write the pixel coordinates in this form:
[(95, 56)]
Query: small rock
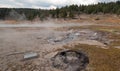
[(30, 55)]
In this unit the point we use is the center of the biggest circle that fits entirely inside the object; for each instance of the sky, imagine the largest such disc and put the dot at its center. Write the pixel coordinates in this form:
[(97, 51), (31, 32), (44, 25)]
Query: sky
[(46, 4)]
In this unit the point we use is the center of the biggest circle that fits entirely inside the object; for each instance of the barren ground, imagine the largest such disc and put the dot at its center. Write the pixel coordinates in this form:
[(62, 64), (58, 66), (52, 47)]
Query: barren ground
[(101, 42)]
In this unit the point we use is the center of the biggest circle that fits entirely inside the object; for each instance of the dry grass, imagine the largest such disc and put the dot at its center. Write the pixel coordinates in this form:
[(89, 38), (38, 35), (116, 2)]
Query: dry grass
[(114, 32), (100, 59), (11, 21), (99, 27)]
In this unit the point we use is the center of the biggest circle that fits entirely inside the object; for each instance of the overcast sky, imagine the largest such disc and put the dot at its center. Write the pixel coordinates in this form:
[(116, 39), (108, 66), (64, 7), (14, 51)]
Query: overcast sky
[(46, 4)]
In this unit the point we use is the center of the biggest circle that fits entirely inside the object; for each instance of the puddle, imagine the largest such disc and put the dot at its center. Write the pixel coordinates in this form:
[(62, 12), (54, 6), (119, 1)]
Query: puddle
[(79, 35)]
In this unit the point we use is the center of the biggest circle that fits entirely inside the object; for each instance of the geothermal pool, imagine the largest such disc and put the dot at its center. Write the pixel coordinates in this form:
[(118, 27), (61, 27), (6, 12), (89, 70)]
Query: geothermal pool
[(44, 39)]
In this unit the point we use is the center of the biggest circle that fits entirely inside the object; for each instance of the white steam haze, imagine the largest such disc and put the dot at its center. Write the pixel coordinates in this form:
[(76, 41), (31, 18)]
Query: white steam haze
[(16, 16), (46, 4), (43, 25)]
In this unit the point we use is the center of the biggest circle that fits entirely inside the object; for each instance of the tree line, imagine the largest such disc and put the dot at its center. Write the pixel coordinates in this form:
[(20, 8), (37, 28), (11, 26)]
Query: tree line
[(64, 12)]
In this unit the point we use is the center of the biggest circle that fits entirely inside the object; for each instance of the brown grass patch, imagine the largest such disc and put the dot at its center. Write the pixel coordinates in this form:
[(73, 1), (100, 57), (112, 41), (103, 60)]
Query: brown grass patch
[(100, 59)]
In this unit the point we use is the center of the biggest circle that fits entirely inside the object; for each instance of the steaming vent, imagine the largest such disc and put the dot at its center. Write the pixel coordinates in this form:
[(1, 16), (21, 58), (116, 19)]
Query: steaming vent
[(70, 60)]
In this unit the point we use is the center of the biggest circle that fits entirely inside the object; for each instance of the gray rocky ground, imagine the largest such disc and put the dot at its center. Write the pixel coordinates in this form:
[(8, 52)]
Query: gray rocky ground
[(16, 41)]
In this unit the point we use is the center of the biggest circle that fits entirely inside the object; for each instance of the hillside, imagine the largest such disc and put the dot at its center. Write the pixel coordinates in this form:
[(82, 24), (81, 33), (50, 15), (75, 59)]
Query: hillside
[(65, 12)]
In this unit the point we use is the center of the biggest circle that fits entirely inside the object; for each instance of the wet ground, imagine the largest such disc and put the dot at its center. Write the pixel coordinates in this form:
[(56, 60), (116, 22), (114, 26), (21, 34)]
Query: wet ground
[(46, 41)]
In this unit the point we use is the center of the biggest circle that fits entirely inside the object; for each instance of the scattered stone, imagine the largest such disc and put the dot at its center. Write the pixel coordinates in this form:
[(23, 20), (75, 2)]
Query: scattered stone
[(30, 55), (77, 34), (70, 60)]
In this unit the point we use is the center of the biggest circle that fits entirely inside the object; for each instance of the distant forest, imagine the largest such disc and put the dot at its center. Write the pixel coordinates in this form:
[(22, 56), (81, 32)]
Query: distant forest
[(64, 12)]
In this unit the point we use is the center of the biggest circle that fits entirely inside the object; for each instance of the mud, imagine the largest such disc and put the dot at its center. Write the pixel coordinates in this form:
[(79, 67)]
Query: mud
[(70, 60), (15, 42), (83, 34)]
